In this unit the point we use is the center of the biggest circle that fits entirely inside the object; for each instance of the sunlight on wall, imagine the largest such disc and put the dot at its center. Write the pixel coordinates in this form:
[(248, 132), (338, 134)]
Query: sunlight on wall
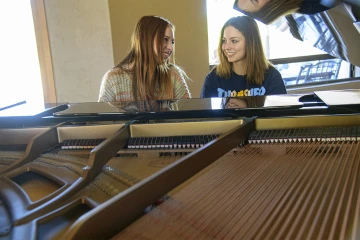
[(20, 77)]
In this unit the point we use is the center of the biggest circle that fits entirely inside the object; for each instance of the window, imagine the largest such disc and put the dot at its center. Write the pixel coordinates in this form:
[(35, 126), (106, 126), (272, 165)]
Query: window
[(20, 71), (22, 66)]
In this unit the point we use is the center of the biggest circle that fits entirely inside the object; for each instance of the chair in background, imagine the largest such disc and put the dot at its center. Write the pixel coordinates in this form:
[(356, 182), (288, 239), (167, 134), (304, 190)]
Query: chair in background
[(323, 70)]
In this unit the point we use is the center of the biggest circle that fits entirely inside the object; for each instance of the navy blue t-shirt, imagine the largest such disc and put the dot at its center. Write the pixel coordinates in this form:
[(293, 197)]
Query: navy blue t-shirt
[(236, 85)]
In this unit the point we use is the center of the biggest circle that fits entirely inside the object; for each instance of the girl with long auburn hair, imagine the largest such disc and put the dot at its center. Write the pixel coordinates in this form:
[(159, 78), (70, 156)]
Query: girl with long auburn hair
[(243, 69), (148, 72)]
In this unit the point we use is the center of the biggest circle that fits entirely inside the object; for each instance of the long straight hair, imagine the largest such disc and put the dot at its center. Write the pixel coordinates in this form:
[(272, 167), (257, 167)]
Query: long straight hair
[(255, 61), (150, 72), (274, 10)]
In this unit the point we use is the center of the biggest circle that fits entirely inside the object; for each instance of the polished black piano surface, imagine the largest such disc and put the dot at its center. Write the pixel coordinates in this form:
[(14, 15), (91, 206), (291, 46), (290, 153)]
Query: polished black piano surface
[(321, 102)]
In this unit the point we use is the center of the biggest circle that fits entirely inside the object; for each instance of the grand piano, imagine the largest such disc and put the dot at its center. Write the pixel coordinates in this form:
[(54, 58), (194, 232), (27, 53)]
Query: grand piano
[(283, 167)]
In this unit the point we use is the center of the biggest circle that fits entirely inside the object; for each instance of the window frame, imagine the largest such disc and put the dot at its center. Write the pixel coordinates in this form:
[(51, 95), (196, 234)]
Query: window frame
[(44, 52)]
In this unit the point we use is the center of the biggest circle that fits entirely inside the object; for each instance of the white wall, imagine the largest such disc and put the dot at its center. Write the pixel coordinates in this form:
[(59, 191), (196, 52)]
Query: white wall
[(81, 47)]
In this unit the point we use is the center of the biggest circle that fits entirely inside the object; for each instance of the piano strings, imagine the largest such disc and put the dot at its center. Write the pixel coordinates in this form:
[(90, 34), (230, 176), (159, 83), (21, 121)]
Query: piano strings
[(276, 194)]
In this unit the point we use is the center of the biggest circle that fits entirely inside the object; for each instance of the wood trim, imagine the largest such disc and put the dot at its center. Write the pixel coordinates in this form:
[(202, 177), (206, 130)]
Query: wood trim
[(44, 52)]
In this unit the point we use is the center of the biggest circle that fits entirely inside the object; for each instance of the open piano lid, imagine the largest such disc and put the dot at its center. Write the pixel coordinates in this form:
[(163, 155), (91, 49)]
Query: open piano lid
[(30, 109), (10, 104), (335, 31)]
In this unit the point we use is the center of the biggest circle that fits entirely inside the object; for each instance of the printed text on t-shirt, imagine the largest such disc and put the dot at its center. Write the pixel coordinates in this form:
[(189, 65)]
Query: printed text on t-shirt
[(247, 92)]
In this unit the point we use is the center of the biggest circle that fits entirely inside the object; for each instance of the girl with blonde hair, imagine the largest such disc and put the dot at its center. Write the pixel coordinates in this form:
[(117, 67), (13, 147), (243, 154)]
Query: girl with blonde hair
[(148, 72)]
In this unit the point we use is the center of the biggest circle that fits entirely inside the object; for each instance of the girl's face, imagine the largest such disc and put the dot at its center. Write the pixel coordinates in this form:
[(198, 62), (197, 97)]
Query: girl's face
[(233, 44), (168, 43), (251, 6)]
